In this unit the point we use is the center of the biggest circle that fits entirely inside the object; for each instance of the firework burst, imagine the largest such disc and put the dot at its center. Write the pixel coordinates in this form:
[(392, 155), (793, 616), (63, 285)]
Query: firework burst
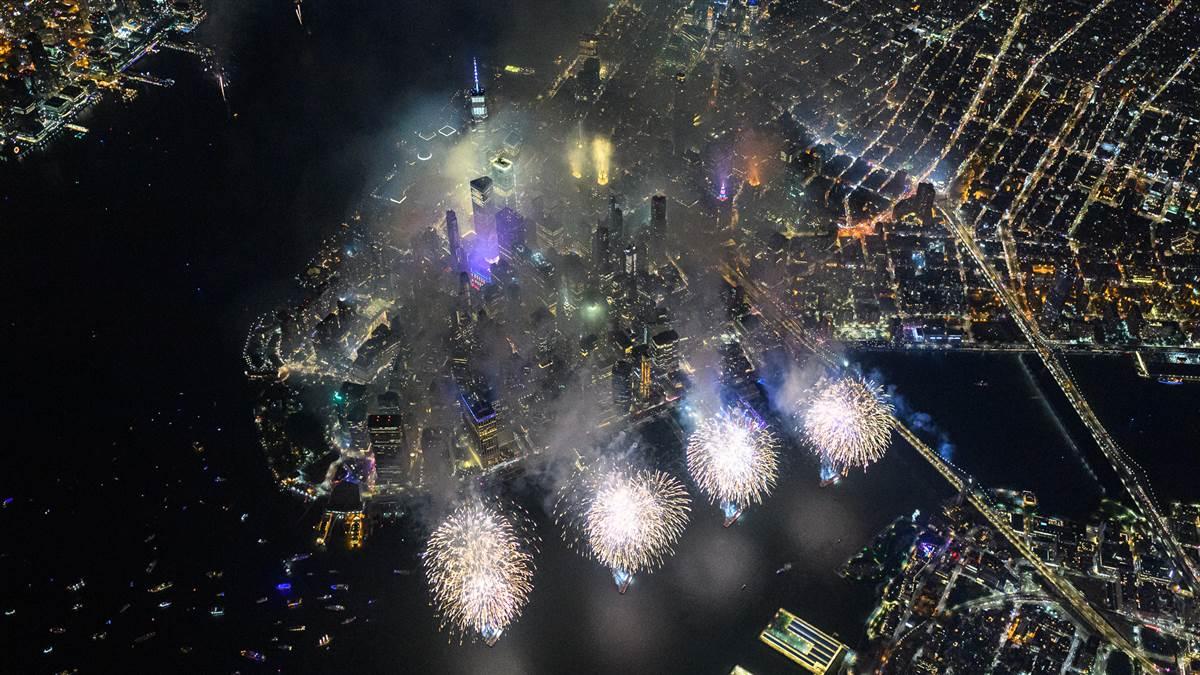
[(479, 570), (733, 457), (848, 422), (630, 519)]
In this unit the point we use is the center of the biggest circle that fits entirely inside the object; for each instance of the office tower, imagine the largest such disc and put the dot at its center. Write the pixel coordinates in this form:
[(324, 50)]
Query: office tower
[(629, 260), (631, 267), (483, 207), (622, 381), (664, 352), (616, 220), (477, 97), (642, 354), (551, 233), (504, 180), (452, 238), (589, 44), (658, 228), (387, 431), (479, 415), (510, 231)]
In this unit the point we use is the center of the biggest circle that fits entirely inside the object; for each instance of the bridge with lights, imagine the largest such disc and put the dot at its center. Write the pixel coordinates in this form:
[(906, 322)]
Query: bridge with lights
[(798, 339)]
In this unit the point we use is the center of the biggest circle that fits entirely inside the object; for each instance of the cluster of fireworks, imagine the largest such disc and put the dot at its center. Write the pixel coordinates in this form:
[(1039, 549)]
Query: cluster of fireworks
[(630, 519), (479, 562), (848, 422), (480, 570), (733, 458)]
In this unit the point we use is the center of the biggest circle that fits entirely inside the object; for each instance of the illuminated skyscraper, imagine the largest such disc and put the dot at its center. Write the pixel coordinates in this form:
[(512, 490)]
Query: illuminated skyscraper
[(663, 350), (630, 263), (510, 231), (631, 266), (589, 44), (483, 210), (504, 180), (642, 354), (479, 414), (477, 97)]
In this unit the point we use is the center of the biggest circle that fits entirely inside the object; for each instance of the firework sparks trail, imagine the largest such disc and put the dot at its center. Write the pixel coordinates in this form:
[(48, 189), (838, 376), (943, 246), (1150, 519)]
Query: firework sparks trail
[(479, 569), (848, 422), (733, 457), (629, 518)]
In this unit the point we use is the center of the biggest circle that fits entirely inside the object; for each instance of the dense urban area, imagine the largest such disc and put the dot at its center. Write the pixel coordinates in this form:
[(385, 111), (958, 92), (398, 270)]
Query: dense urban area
[(712, 207)]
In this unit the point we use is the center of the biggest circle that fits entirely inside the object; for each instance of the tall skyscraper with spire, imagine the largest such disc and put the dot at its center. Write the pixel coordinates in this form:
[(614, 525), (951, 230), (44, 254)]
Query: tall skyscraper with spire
[(477, 96)]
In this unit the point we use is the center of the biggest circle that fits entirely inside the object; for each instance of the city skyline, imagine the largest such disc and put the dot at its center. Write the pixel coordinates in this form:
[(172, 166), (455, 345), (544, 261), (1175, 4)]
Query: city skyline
[(562, 269)]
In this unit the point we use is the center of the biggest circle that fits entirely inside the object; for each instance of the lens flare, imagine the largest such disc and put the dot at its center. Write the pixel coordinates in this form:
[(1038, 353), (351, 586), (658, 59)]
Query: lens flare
[(733, 457), (848, 421), (480, 570), (630, 519)]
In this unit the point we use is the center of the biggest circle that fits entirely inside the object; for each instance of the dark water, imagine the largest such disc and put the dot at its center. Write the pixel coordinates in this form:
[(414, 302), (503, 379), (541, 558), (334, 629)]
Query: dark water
[(135, 260)]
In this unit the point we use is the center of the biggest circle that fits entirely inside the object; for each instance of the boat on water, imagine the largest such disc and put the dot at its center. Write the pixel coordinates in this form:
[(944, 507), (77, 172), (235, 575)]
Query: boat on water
[(254, 656), (1170, 379)]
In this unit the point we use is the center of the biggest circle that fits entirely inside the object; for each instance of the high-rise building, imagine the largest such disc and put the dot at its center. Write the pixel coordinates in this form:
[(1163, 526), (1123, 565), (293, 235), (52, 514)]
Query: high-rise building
[(452, 238), (663, 350), (589, 44), (658, 228), (629, 260), (642, 354), (601, 251), (631, 266), (510, 231), (389, 445), (477, 97), (622, 381), (616, 220), (483, 208), (504, 180), (479, 415), (551, 233)]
